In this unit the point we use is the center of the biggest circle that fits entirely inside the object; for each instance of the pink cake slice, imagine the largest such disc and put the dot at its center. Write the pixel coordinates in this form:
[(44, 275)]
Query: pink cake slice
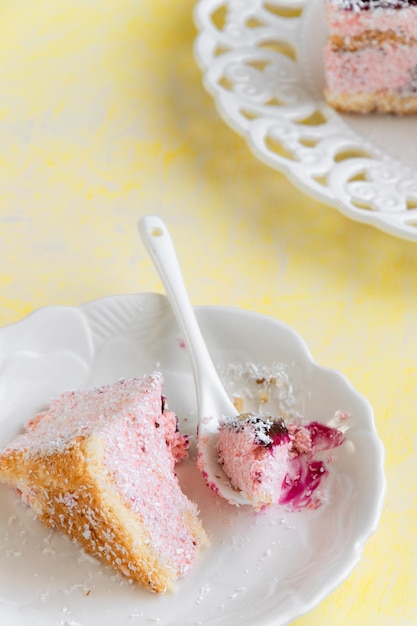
[(99, 466), (371, 56), (253, 451), (273, 462)]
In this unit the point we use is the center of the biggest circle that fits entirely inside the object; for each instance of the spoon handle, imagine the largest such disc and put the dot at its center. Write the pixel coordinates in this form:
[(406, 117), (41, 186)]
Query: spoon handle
[(158, 242), (212, 400)]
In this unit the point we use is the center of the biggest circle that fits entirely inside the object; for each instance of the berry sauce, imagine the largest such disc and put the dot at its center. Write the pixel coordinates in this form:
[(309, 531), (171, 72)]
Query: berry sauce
[(306, 472)]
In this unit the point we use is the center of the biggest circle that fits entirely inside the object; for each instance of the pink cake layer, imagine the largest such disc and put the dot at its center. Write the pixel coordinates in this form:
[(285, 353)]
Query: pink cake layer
[(255, 470), (359, 71), (353, 22)]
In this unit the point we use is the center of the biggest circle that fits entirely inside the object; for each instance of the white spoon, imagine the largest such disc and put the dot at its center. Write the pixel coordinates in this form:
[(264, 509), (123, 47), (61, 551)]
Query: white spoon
[(213, 402)]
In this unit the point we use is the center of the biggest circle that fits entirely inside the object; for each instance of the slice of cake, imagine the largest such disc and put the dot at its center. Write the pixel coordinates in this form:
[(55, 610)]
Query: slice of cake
[(99, 465), (273, 462), (371, 56)]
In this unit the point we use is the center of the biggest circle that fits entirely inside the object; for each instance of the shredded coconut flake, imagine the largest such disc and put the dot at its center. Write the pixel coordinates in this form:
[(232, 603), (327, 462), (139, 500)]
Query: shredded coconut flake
[(372, 5), (256, 387)]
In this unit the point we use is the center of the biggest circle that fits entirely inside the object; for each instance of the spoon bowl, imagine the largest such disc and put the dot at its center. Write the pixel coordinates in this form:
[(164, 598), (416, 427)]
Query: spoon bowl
[(212, 399)]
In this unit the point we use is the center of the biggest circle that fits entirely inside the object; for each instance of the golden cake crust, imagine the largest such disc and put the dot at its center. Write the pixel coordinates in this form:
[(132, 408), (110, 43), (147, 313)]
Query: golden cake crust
[(70, 491), (379, 102)]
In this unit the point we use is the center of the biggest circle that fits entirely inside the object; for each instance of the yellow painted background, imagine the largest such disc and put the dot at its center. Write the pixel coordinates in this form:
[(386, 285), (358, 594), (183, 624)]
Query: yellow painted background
[(103, 118)]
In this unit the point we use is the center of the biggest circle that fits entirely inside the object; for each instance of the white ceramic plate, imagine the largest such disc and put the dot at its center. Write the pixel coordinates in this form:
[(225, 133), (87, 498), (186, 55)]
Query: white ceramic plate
[(263, 63), (263, 569)]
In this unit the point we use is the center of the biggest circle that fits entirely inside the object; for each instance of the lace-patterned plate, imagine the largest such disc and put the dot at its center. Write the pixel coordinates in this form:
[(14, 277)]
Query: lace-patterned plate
[(263, 63)]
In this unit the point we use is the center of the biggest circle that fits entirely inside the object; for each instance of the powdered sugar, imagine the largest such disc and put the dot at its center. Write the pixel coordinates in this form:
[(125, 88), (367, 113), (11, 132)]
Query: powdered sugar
[(259, 425)]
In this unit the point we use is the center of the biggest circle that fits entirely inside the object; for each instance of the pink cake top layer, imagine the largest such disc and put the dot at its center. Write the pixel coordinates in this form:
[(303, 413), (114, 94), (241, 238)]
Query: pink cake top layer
[(82, 412), (352, 22)]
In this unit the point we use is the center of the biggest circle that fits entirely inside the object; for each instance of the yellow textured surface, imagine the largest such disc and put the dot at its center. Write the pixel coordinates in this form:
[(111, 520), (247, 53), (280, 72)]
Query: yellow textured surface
[(103, 118)]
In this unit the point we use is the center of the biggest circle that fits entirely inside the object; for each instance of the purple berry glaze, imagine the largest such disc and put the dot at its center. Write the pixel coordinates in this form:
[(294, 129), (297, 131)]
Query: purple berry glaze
[(301, 482), (324, 437), (305, 472)]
